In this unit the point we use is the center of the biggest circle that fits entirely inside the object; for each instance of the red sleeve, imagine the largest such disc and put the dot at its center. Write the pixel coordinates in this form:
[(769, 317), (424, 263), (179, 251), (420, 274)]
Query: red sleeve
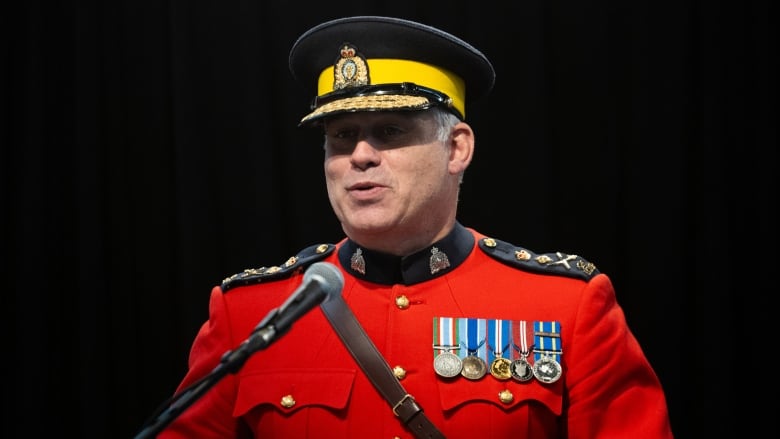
[(613, 390), (211, 416)]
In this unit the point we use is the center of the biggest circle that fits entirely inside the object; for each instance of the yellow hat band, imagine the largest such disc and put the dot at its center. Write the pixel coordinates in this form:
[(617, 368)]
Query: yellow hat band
[(395, 71)]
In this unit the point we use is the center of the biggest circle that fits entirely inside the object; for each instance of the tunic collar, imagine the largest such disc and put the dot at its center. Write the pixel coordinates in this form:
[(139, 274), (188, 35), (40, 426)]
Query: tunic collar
[(431, 262)]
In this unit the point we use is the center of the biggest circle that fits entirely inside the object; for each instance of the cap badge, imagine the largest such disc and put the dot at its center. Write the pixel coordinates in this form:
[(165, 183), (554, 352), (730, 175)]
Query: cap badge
[(350, 69)]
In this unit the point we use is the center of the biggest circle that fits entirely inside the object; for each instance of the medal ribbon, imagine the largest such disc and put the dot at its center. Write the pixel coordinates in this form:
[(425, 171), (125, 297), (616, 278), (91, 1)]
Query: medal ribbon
[(474, 330), (498, 334), (547, 340), (520, 332), (444, 335)]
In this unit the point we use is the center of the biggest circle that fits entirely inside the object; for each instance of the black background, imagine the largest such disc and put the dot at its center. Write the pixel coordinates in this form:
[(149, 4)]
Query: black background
[(150, 149)]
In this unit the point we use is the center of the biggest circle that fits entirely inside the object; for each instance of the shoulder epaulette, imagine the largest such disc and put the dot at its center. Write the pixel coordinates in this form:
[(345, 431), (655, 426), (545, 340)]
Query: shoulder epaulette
[(303, 259), (546, 263)]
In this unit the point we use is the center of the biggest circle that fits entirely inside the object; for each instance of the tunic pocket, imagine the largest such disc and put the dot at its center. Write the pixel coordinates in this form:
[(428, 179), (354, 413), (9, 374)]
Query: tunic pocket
[(291, 390), (504, 394)]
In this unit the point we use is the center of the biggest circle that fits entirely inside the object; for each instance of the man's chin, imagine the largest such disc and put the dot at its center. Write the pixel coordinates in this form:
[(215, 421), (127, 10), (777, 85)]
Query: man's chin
[(368, 226)]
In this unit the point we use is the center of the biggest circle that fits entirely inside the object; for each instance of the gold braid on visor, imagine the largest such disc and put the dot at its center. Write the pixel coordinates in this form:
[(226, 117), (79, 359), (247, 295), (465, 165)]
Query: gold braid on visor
[(403, 96), (356, 84)]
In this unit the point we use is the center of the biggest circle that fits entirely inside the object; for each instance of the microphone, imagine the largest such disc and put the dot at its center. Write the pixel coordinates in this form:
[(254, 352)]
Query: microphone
[(320, 280)]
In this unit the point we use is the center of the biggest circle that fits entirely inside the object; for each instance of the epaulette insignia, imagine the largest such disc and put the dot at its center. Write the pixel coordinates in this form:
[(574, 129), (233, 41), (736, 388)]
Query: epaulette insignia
[(303, 259), (546, 263)]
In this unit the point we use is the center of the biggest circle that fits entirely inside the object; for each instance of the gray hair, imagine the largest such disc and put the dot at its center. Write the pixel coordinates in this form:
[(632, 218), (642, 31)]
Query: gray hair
[(445, 120)]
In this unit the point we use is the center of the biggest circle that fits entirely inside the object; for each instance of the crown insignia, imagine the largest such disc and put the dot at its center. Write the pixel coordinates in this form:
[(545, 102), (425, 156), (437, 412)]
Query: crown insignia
[(438, 260)]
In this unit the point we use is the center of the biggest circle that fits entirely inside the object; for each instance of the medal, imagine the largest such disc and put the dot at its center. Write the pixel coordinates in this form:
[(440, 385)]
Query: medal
[(447, 364), (547, 370), (547, 350), (521, 370), (501, 368), (474, 367), (499, 334)]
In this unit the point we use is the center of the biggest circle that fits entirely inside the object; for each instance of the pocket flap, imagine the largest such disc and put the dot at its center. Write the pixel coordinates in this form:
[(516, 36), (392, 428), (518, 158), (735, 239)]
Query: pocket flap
[(327, 388), (462, 391)]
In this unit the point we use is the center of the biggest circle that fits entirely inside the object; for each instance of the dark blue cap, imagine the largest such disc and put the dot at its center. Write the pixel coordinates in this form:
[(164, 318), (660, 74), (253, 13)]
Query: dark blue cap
[(373, 63)]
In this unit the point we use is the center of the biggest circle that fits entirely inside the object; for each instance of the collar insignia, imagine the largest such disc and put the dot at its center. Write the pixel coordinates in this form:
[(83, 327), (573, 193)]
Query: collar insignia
[(439, 260), (357, 262)]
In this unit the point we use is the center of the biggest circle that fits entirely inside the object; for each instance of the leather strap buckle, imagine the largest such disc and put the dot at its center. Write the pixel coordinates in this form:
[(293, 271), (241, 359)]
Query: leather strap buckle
[(400, 403)]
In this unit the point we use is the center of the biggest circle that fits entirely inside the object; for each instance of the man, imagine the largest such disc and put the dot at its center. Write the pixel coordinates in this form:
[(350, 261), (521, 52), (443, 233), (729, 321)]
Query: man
[(487, 338)]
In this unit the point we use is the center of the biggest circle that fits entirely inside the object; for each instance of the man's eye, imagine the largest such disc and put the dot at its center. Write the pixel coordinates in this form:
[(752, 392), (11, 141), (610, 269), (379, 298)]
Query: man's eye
[(391, 130), (344, 134)]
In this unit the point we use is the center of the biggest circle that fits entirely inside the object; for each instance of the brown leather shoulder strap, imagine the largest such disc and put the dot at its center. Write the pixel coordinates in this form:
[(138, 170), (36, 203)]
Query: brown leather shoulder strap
[(375, 367)]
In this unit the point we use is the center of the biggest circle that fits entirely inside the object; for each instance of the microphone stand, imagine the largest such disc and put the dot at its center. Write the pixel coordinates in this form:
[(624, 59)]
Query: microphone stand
[(266, 332)]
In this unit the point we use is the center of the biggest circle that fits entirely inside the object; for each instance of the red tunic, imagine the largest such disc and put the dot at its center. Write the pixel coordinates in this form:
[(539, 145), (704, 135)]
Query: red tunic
[(306, 384)]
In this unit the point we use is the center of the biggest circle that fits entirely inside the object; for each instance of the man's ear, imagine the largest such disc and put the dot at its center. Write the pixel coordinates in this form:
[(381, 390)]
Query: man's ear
[(461, 147)]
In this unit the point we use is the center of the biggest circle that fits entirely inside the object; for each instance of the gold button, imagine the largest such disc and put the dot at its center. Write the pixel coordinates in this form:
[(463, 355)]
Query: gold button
[(399, 372), (506, 396), (287, 401), (402, 302)]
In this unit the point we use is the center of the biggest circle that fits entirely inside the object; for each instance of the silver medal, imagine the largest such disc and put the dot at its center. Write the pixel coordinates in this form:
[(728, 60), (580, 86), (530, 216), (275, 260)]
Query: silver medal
[(447, 364), (547, 370), (521, 370)]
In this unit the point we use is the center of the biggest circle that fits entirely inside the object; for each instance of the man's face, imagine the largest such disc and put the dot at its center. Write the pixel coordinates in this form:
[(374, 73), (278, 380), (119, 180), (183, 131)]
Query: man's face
[(387, 173)]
